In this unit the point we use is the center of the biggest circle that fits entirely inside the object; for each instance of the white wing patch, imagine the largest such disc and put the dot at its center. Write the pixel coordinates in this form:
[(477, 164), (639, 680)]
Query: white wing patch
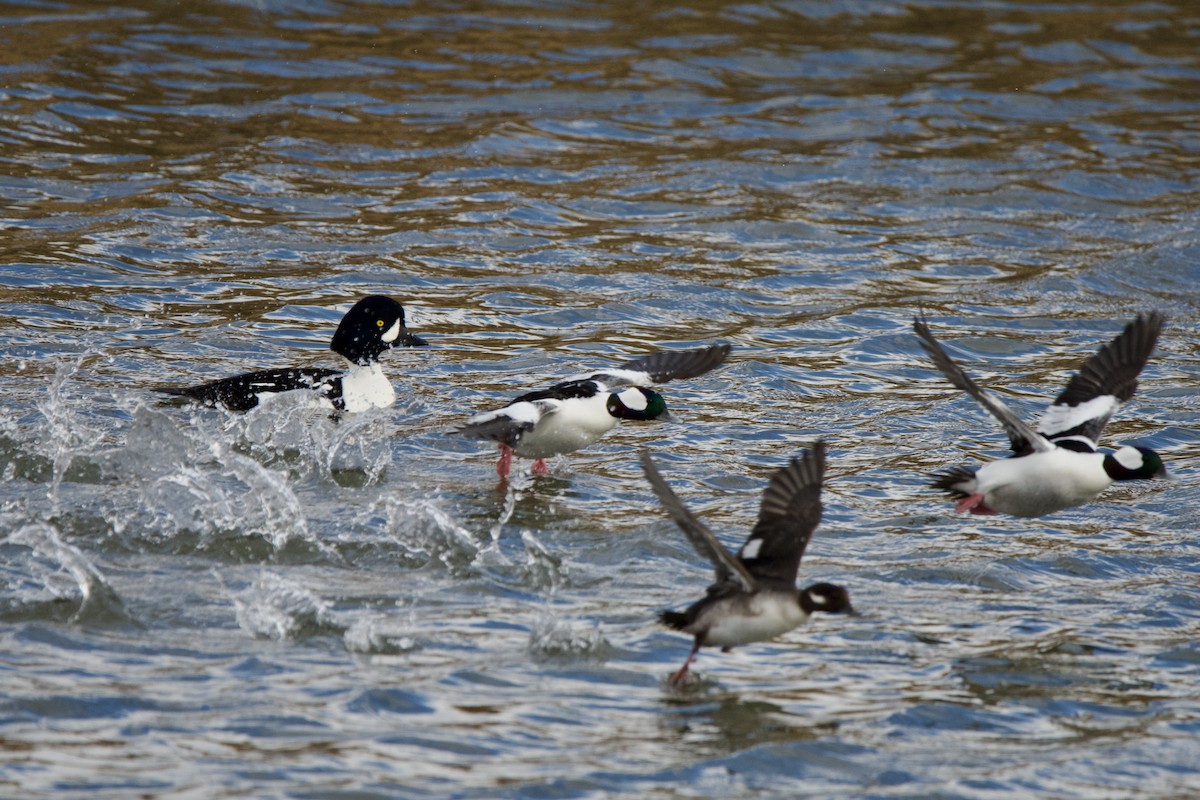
[(1057, 418), (530, 413), (613, 378), (520, 413), (750, 549)]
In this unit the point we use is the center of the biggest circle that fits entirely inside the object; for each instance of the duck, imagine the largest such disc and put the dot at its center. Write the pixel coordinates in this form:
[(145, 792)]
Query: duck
[(576, 412), (372, 326), (1056, 465), (754, 597)]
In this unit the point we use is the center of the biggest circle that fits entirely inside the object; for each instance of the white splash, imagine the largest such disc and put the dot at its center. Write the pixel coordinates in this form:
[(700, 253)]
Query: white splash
[(96, 595), (553, 637), (274, 607)]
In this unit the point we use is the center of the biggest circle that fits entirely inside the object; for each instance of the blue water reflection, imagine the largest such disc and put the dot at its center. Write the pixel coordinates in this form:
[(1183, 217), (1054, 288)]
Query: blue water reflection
[(279, 605)]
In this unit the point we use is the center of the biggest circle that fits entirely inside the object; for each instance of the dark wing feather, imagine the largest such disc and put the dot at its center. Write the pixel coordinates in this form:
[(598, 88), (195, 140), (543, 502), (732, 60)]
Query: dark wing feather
[(1105, 380), (669, 365), (509, 424), (240, 393), (791, 509), (567, 390), (663, 366), (499, 428), (1023, 437), (728, 568)]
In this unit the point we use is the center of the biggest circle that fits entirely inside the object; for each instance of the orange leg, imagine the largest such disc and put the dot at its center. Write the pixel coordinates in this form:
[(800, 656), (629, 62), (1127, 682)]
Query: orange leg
[(681, 676), (540, 469), (974, 504), (504, 465)]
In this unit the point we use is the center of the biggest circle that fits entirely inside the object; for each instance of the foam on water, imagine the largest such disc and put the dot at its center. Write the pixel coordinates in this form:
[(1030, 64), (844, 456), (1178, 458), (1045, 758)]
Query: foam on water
[(281, 603), (276, 607), (37, 580)]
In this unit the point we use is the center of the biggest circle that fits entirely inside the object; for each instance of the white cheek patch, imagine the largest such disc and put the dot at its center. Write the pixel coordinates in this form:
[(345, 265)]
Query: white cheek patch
[(751, 548), (819, 599), (1129, 458), (633, 400), (391, 333)]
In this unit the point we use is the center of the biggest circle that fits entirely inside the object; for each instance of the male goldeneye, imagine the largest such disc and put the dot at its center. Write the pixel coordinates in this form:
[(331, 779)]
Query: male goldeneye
[(373, 325), (578, 411), (754, 597), (1056, 466)]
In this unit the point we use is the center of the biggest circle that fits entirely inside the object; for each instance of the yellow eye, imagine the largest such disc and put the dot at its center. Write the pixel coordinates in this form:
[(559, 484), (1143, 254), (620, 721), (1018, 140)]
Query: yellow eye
[(379, 323)]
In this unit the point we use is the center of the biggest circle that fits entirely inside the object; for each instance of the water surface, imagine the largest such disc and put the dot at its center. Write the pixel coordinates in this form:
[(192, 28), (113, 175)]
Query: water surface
[(200, 604)]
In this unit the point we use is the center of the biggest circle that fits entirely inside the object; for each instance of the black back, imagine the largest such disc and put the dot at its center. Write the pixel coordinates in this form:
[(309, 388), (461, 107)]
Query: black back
[(240, 393)]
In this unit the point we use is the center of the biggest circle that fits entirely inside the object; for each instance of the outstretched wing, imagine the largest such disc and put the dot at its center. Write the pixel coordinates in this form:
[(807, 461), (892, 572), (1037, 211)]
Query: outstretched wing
[(1105, 380), (791, 509), (1023, 437), (663, 366), (240, 393), (728, 568)]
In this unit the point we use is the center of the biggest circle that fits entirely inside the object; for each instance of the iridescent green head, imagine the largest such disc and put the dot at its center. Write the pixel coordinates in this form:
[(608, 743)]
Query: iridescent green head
[(637, 403), (1135, 463)]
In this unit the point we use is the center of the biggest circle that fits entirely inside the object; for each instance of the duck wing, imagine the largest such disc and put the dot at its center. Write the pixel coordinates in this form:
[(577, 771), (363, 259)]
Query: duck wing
[(1105, 381), (662, 366), (1024, 438), (729, 569), (791, 509), (507, 425)]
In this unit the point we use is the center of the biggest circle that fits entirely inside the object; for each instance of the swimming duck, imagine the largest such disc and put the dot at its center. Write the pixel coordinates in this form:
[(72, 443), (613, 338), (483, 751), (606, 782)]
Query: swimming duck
[(372, 325)]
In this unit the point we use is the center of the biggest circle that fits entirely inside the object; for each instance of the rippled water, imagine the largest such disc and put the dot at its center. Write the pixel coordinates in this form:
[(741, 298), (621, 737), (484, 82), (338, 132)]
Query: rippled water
[(199, 604)]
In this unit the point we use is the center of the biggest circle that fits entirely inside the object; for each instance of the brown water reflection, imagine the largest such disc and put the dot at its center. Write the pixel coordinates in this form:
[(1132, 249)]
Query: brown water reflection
[(300, 608)]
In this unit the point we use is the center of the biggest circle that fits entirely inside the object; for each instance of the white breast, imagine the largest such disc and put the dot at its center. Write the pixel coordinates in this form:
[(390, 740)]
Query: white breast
[(1042, 483), (578, 422), (742, 620), (366, 387)]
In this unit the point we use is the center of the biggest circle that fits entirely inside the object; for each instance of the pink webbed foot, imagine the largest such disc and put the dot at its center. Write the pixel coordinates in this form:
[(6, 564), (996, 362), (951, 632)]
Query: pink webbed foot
[(680, 676), (504, 465), (974, 504), (540, 469)]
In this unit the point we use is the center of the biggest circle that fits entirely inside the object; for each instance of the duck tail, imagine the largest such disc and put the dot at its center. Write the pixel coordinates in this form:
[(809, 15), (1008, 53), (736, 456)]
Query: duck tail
[(952, 481), (673, 619)]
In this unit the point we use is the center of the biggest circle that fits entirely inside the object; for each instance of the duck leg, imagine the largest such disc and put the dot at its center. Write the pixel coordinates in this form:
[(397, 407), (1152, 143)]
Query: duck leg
[(504, 465), (974, 504), (681, 676)]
